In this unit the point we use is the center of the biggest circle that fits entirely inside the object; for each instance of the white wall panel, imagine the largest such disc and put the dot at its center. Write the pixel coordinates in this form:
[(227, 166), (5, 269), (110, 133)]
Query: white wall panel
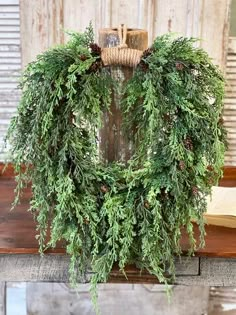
[(10, 64)]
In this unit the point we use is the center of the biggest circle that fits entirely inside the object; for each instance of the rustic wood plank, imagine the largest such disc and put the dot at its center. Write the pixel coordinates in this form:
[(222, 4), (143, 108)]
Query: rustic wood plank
[(42, 21), (207, 20), (213, 272), (215, 29), (55, 19), (229, 176), (2, 298), (218, 271), (33, 16), (55, 299), (54, 268), (41, 26), (220, 242), (121, 13), (34, 268), (171, 17), (221, 298), (223, 295), (147, 17), (77, 14), (17, 228)]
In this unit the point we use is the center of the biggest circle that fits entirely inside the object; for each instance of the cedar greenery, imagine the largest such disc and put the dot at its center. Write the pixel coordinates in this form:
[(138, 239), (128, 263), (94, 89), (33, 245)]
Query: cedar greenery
[(116, 213)]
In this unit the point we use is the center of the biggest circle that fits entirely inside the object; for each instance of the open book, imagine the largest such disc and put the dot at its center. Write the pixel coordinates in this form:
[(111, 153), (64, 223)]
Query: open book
[(221, 209)]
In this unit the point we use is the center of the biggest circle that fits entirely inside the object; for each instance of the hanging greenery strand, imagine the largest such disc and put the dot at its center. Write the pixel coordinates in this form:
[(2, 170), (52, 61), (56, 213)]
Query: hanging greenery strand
[(118, 213)]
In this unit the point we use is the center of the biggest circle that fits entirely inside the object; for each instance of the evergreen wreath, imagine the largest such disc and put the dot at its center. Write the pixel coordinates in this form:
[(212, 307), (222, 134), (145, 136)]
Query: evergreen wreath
[(116, 213)]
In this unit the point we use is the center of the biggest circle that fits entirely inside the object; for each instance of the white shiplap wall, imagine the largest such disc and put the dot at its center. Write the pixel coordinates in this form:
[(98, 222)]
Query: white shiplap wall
[(230, 103), (10, 64)]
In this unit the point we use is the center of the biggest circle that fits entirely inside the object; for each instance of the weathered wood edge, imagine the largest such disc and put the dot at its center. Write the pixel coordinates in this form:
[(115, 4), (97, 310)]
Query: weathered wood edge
[(212, 272), (54, 268)]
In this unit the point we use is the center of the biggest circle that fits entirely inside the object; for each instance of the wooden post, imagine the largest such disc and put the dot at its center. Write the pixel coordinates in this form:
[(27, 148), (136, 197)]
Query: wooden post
[(114, 144)]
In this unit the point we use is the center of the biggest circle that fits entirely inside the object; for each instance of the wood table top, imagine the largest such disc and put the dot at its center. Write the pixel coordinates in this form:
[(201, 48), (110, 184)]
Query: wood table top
[(17, 227)]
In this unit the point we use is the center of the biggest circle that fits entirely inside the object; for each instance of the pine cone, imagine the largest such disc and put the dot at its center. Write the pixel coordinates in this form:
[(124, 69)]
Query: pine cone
[(167, 117), (104, 189), (146, 204), (210, 168), (179, 66), (181, 165), (147, 53), (178, 111), (188, 143), (95, 66), (83, 57), (164, 194), (221, 121), (210, 181), (86, 221), (95, 49), (143, 66), (195, 190)]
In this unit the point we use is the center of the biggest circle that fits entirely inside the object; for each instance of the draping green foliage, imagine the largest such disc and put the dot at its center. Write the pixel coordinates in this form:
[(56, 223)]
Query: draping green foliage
[(116, 213)]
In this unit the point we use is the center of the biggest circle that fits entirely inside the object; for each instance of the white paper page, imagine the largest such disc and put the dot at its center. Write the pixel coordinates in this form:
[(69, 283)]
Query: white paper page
[(223, 201)]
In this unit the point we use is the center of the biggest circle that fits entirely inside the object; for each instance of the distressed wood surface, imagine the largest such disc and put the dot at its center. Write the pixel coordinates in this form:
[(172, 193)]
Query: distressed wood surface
[(229, 178), (54, 267), (114, 144), (207, 20), (213, 272), (214, 29), (34, 268), (60, 299), (221, 297), (41, 26), (2, 298)]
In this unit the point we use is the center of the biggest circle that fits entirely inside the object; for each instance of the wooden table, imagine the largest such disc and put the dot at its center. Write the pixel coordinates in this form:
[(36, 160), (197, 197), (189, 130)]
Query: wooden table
[(19, 259)]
